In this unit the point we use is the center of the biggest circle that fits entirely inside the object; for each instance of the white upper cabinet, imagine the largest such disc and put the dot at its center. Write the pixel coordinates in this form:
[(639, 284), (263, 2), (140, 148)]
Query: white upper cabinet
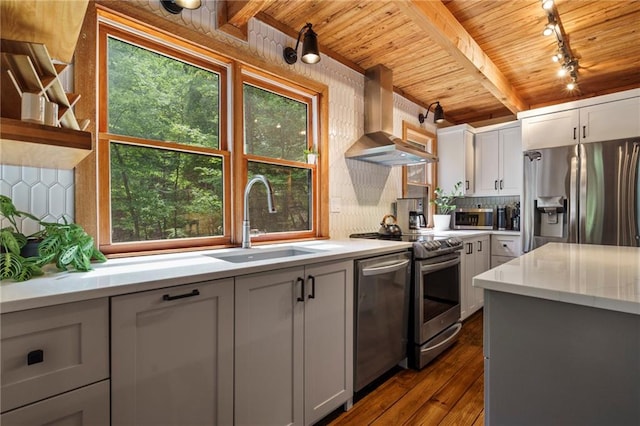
[(610, 121), (456, 158), (609, 117), (498, 161)]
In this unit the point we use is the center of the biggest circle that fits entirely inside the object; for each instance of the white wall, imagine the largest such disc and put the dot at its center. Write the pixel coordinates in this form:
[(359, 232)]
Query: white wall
[(364, 191)]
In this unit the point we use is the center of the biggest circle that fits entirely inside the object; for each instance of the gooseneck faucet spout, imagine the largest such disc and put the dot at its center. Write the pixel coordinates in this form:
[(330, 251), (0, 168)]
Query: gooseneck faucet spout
[(246, 227)]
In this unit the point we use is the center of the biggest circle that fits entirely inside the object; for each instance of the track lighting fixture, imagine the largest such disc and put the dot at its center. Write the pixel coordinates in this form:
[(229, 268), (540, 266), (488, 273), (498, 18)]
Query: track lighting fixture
[(438, 113), (176, 6), (563, 56), (310, 52)]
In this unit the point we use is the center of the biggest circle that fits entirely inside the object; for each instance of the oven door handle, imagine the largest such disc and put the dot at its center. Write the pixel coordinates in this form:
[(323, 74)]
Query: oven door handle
[(379, 270), (437, 266), (455, 330)]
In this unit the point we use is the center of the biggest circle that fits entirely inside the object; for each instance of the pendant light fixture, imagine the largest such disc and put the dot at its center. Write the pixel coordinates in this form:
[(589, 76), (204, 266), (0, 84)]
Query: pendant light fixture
[(176, 6), (310, 52), (438, 113)]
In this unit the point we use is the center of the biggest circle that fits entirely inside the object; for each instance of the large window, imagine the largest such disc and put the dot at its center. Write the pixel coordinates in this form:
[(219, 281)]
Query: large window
[(278, 131), (162, 149), (166, 169)]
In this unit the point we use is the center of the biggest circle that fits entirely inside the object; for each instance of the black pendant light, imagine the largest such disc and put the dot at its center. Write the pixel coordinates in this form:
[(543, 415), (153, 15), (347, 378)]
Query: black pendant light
[(310, 51)]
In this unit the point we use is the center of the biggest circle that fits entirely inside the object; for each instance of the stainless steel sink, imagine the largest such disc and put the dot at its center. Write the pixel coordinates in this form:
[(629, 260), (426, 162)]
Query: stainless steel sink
[(253, 255)]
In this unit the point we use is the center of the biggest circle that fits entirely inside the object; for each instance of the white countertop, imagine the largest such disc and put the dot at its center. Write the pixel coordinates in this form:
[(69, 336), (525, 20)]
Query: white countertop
[(131, 274), (606, 277)]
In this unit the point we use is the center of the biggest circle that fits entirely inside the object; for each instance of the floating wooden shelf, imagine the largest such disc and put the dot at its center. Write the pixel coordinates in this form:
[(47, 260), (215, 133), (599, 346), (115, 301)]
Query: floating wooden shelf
[(37, 145)]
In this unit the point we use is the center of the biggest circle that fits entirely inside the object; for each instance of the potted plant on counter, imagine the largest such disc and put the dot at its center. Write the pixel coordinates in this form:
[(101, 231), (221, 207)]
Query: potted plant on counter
[(65, 244), (14, 262), (445, 206)]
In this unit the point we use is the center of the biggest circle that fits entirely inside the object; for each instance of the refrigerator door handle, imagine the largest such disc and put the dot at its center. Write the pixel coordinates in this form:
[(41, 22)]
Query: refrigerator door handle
[(573, 194), (633, 189), (627, 187)]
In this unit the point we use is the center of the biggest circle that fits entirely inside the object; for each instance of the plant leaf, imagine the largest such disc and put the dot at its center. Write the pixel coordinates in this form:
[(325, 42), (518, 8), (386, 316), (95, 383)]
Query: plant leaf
[(10, 265)]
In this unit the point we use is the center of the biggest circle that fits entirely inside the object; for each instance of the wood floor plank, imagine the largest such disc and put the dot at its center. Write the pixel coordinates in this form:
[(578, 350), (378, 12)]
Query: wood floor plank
[(447, 391), (440, 404), (403, 409), (469, 407)]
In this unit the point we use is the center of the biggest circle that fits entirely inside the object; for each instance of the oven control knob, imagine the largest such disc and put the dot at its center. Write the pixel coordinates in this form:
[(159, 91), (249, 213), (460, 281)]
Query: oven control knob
[(433, 245), (454, 242)]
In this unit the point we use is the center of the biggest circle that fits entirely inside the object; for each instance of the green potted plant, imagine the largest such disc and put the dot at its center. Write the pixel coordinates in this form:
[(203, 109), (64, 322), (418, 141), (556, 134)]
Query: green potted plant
[(311, 156), (14, 264), (445, 206), (66, 245)]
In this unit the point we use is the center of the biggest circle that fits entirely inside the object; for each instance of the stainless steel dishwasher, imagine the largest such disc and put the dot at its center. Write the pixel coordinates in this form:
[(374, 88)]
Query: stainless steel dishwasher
[(382, 315)]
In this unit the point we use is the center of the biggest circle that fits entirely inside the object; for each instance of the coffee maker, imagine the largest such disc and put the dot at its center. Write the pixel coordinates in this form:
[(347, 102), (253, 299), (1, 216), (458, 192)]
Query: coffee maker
[(410, 215)]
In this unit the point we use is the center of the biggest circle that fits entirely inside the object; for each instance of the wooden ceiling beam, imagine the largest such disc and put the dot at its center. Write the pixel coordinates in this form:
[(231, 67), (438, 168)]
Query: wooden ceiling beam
[(233, 16), (441, 26)]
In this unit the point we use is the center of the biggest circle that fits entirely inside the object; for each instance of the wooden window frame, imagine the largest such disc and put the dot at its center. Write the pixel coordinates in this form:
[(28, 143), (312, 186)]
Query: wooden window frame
[(254, 77), (105, 31), (89, 211), (430, 141)]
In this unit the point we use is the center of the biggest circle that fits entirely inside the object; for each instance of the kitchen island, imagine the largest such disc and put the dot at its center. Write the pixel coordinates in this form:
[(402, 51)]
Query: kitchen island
[(562, 337)]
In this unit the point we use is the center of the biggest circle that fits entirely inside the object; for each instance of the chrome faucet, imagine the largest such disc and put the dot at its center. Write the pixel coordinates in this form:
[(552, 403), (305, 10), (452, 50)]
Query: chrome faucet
[(246, 235)]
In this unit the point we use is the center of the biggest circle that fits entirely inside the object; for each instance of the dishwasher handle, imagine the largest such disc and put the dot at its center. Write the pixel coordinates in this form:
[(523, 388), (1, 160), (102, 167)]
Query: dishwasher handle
[(385, 268)]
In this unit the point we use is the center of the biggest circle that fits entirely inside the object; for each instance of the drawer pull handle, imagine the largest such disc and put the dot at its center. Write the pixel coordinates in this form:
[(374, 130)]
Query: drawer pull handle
[(194, 292), (35, 357), (504, 245)]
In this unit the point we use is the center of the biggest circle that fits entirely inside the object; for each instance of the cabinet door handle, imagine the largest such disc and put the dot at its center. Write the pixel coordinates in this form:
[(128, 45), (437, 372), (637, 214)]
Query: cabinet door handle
[(584, 132), (504, 245), (479, 246), (35, 357), (574, 133), (301, 281), (313, 287), (469, 248), (495, 184), (194, 292), (466, 185), (501, 184)]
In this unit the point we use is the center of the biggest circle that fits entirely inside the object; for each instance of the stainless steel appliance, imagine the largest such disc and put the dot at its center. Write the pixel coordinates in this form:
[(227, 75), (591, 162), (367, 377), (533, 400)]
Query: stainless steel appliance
[(378, 144), (434, 307), (382, 314), (585, 193), (464, 218), (409, 212), (435, 298)]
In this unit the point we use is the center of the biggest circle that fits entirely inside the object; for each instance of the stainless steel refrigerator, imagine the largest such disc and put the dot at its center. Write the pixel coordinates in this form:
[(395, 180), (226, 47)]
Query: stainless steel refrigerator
[(585, 193)]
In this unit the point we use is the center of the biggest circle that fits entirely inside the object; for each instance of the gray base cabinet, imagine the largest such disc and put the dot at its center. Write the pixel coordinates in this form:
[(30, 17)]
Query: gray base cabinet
[(172, 355), (475, 259), (85, 406), (52, 359), (294, 344), (553, 363)]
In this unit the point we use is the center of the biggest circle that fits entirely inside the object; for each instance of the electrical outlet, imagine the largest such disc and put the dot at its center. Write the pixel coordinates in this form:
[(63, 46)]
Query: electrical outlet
[(335, 204)]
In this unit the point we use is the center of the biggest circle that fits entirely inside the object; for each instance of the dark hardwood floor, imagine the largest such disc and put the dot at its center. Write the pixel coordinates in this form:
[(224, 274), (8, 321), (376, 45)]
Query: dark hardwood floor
[(449, 391)]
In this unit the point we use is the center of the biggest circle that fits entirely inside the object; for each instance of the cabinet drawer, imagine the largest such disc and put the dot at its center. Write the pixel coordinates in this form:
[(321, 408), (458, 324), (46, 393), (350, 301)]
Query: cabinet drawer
[(503, 245), (51, 350), (86, 406)]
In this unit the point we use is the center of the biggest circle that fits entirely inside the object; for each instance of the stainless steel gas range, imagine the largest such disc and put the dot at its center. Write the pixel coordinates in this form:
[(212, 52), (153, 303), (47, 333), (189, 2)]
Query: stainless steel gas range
[(434, 289)]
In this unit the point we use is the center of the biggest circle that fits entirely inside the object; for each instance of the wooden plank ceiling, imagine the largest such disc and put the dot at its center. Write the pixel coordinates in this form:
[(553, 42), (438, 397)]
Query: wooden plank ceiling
[(484, 60)]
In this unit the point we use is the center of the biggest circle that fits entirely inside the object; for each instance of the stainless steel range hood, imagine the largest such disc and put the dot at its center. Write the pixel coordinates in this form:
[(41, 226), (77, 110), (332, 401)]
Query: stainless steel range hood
[(378, 144)]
